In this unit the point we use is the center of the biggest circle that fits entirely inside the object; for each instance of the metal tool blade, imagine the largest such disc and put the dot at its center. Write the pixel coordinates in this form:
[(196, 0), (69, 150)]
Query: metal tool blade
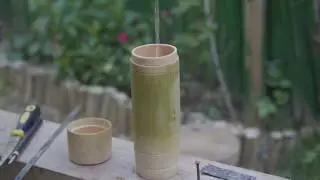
[(7, 143), (47, 144), (7, 148), (225, 174)]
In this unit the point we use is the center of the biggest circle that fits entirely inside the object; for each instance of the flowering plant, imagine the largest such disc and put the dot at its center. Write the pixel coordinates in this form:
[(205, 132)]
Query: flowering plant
[(96, 38), (89, 41)]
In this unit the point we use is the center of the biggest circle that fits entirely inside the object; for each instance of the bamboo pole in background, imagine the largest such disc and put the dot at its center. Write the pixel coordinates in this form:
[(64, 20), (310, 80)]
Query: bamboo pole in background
[(111, 108), (4, 71), (254, 35), (72, 88), (249, 148), (155, 90), (17, 75), (29, 89), (94, 101), (122, 100), (128, 128), (106, 102), (274, 148), (40, 86)]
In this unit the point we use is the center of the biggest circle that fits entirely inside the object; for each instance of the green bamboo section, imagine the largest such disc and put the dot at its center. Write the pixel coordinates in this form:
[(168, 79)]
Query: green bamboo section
[(290, 32), (230, 38), (155, 93), (155, 112)]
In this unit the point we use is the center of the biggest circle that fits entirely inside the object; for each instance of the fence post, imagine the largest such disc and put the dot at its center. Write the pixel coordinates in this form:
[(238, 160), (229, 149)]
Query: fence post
[(274, 148), (249, 148)]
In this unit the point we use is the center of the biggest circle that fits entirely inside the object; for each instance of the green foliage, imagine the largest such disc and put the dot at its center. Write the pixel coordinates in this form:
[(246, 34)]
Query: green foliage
[(232, 48), (36, 44), (290, 30), (266, 107), (306, 161), (278, 90), (96, 38), (185, 27), (89, 40)]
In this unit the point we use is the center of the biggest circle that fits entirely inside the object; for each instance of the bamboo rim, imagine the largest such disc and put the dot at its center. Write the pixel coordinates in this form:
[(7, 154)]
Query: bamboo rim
[(89, 121), (146, 55)]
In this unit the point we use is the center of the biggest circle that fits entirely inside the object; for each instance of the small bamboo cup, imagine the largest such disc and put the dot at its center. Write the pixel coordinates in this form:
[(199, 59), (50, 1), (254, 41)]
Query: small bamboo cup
[(89, 141)]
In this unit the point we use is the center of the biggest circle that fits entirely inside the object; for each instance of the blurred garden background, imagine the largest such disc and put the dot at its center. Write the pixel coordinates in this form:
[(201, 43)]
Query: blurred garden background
[(268, 54)]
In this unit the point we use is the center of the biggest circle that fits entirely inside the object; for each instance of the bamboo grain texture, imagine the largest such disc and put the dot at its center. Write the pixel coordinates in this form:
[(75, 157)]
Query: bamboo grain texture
[(155, 90)]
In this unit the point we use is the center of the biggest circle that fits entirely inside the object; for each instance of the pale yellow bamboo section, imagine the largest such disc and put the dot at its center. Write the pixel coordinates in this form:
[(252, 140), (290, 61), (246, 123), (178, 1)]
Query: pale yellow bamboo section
[(155, 90)]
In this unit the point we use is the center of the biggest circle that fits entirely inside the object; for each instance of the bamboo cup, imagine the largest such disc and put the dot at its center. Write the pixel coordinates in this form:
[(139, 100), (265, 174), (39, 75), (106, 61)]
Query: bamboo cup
[(155, 89), (89, 141)]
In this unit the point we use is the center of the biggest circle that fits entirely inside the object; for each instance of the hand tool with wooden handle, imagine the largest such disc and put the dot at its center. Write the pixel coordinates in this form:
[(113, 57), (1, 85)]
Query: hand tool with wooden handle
[(26, 121), (25, 124), (47, 144), (23, 143)]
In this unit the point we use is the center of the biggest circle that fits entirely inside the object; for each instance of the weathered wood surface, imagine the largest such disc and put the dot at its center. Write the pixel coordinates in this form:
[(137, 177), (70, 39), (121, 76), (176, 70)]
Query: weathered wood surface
[(210, 140), (55, 162)]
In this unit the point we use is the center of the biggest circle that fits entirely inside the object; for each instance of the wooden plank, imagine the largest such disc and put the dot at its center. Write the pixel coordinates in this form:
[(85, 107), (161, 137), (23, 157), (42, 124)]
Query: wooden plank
[(254, 33), (56, 161), (8, 173)]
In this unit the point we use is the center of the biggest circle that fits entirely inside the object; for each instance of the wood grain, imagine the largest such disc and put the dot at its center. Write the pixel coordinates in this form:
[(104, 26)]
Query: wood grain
[(55, 162)]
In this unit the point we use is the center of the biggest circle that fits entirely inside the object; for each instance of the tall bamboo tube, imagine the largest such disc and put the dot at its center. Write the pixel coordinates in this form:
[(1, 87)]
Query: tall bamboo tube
[(155, 90)]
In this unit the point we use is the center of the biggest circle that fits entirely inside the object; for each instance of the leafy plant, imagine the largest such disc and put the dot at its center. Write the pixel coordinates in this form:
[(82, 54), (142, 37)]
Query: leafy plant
[(36, 44), (303, 161), (185, 27), (90, 41), (96, 38), (277, 91)]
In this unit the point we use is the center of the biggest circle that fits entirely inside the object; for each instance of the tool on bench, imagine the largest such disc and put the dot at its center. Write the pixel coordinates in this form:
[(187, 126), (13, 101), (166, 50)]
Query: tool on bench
[(47, 144), (28, 124), (198, 169), (23, 143), (225, 174)]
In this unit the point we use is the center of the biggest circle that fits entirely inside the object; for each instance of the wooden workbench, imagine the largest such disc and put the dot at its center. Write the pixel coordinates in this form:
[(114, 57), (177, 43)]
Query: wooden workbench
[(54, 164)]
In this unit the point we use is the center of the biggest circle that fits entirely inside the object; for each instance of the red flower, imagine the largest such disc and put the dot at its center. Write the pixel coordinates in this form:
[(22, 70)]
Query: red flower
[(123, 38)]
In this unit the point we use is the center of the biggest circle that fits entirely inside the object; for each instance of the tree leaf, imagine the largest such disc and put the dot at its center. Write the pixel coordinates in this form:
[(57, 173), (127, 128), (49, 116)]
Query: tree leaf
[(40, 25), (34, 48), (20, 41), (266, 108), (281, 97), (285, 83)]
